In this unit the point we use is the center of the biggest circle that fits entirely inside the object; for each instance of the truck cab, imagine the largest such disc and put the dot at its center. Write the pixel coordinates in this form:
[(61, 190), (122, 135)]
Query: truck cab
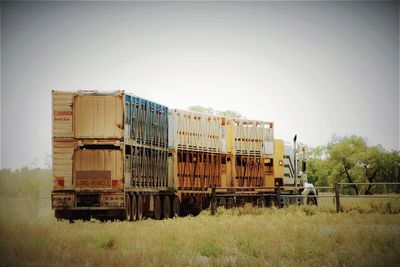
[(291, 173)]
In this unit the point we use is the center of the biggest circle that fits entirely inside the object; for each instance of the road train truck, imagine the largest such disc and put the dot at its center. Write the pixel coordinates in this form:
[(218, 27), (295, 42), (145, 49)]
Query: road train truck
[(116, 155)]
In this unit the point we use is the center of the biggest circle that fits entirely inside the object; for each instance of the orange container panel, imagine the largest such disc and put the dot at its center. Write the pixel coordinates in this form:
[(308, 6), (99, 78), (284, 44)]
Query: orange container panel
[(63, 151), (98, 116), (62, 114), (193, 170), (250, 171), (98, 168)]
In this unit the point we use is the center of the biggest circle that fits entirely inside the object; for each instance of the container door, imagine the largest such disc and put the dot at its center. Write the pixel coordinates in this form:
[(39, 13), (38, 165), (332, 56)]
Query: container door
[(98, 168), (98, 116)]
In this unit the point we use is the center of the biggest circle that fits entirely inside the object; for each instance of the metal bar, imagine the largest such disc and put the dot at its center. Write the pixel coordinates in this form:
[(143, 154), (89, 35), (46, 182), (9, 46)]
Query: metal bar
[(368, 183), (337, 197), (278, 197), (370, 196), (213, 201), (245, 187)]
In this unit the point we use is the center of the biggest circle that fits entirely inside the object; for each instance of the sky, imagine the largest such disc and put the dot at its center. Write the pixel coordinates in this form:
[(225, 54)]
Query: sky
[(313, 68)]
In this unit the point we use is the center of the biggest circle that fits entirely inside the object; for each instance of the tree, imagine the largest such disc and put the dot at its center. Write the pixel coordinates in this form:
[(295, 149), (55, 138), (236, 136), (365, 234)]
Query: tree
[(344, 154), (225, 113), (201, 109), (318, 168), (372, 162), (388, 167), (318, 171), (229, 114), (352, 160)]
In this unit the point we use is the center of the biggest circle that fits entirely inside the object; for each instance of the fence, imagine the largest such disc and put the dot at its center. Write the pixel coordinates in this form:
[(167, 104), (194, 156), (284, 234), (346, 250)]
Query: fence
[(336, 194)]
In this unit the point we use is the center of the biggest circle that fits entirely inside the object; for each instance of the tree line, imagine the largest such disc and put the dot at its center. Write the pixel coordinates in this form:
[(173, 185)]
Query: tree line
[(351, 160)]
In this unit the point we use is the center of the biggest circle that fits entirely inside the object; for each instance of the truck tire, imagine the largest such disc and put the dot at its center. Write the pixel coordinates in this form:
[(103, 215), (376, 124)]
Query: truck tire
[(222, 202), (140, 207), (261, 202), (311, 200), (128, 208), (63, 215), (176, 206), (230, 203), (134, 208), (167, 207), (157, 207)]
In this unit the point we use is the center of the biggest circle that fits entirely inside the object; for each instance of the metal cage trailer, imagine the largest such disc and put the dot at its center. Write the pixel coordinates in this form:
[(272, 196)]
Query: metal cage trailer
[(110, 156), (116, 155)]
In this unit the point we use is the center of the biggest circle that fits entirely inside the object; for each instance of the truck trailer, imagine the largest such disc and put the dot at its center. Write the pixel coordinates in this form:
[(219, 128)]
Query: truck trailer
[(119, 156)]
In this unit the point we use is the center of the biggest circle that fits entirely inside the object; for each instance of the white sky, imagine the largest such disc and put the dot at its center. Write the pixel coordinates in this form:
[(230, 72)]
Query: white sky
[(314, 68)]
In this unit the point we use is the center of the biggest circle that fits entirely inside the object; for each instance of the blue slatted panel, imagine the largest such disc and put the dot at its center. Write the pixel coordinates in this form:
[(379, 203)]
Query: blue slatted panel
[(146, 122), (146, 133)]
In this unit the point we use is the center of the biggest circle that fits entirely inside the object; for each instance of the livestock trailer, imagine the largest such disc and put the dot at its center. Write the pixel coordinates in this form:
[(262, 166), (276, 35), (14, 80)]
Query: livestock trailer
[(116, 155)]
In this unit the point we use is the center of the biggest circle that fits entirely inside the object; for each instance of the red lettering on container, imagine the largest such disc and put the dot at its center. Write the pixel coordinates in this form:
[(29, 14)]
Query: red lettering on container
[(62, 115)]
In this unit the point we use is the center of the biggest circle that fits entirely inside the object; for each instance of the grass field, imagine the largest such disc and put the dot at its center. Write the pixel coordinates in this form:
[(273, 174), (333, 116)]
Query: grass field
[(294, 236)]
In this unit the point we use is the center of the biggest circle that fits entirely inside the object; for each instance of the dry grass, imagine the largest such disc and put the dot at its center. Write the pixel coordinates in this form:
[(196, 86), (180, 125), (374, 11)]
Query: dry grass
[(241, 237), (360, 204)]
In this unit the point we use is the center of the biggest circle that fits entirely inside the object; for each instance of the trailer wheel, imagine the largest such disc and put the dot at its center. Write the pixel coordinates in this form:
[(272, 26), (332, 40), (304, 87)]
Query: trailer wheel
[(167, 207), (231, 203), (157, 207), (199, 204), (134, 208), (63, 215), (261, 202), (311, 200), (299, 201), (222, 202), (140, 208), (176, 206), (128, 208)]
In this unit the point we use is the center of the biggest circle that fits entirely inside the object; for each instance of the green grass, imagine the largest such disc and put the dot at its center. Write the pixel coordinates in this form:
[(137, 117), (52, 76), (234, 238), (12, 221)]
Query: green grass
[(247, 236)]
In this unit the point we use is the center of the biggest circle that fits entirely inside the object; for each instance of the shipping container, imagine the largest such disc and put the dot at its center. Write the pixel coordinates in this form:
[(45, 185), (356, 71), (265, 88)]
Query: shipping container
[(92, 116), (194, 131), (98, 116)]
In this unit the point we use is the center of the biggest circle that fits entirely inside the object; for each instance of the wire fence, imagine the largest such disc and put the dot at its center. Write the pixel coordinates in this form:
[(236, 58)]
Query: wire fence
[(339, 192)]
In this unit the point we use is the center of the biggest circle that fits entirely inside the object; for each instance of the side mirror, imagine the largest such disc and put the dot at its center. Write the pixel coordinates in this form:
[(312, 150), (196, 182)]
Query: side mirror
[(304, 166)]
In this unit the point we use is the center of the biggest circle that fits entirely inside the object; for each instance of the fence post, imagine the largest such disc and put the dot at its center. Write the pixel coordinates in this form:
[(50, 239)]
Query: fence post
[(337, 197), (213, 201), (278, 196)]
